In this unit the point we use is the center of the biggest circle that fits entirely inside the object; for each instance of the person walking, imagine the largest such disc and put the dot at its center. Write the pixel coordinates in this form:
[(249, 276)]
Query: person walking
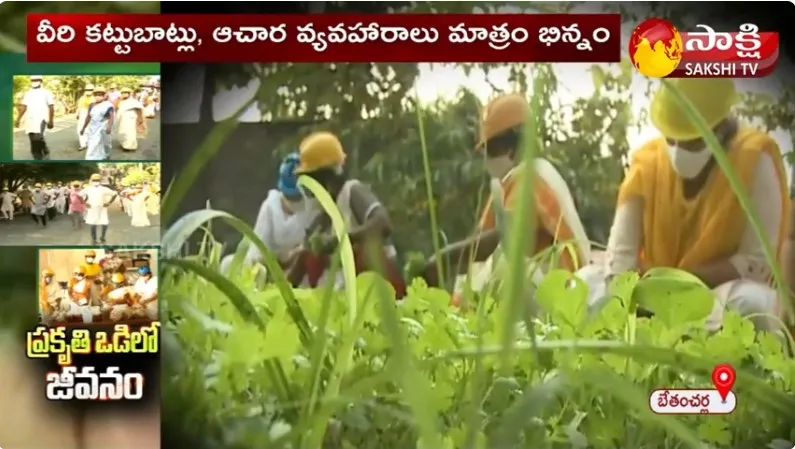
[(97, 198), (38, 109), (82, 111), (77, 206), (7, 200), (131, 121), (39, 208), (99, 126)]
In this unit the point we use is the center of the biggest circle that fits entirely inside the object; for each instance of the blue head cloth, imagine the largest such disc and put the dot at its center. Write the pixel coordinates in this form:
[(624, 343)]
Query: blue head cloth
[(143, 271), (288, 180)]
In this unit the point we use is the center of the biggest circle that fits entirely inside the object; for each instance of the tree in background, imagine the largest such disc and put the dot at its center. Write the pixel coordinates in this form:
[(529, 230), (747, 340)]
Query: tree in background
[(67, 89), (14, 175)]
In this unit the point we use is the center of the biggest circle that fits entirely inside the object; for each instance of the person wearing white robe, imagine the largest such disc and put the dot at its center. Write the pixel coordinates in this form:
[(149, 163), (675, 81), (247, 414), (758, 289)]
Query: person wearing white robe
[(140, 218), (131, 121), (39, 209), (283, 218), (60, 199), (7, 199), (82, 110), (146, 288), (97, 199)]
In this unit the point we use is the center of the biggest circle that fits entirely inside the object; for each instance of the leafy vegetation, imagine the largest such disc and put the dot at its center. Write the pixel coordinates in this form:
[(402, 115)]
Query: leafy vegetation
[(522, 365)]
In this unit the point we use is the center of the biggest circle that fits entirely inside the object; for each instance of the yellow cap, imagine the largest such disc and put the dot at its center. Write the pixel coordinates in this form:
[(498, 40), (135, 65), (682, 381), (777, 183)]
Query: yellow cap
[(47, 272), (319, 150), (89, 87), (500, 115), (99, 89), (713, 98), (38, 184), (96, 177), (117, 278), (91, 253), (125, 90), (75, 184)]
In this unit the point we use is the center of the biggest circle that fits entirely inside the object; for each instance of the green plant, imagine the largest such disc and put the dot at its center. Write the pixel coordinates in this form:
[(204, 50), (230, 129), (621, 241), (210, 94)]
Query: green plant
[(293, 368)]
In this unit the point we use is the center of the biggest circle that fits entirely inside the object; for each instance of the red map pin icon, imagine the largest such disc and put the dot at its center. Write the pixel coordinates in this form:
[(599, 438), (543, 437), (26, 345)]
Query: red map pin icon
[(723, 377)]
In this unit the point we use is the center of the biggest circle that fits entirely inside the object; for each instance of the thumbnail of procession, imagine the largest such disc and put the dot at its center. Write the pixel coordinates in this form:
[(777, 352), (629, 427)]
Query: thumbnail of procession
[(98, 286), (89, 117), (80, 204)]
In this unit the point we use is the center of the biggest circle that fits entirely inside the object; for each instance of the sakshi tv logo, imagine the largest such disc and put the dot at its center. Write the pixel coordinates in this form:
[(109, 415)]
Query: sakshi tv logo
[(658, 49)]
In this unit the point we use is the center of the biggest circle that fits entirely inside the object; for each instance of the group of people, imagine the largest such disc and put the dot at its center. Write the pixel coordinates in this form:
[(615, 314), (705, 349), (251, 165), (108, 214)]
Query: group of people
[(99, 291), (83, 203), (101, 111), (101, 114), (675, 207)]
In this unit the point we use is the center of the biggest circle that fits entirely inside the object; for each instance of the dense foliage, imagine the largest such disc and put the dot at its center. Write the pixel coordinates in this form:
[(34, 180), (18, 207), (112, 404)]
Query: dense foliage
[(313, 368)]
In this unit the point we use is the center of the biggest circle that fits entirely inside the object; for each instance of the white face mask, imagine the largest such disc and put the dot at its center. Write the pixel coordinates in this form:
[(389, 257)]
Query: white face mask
[(95, 184), (688, 164), (35, 84), (498, 167), (89, 260)]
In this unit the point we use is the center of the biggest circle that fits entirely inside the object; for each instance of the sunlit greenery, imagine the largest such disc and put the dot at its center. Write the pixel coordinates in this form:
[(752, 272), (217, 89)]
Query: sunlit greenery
[(277, 367)]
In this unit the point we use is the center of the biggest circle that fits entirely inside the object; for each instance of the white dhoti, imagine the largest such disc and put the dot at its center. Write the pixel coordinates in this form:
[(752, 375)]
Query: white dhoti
[(82, 139), (750, 299)]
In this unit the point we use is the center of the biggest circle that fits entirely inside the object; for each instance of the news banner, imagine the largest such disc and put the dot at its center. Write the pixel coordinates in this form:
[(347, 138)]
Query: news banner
[(90, 382), (656, 47)]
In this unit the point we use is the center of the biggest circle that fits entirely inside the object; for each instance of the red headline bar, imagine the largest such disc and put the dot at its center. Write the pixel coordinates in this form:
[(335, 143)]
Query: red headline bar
[(324, 38)]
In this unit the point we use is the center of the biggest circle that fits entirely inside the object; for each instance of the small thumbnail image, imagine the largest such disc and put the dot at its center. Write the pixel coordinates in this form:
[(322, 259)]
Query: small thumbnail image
[(98, 286), (80, 203), (86, 117)]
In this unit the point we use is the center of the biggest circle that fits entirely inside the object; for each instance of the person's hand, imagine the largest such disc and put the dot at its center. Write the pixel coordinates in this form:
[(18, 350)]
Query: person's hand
[(50, 124), (82, 131), (16, 123), (109, 129)]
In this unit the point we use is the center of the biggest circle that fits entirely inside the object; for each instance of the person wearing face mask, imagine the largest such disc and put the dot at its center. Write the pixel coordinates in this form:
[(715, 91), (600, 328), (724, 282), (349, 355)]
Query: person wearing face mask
[(283, 218), (146, 291), (82, 111), (98, 126), (26, 197), (140, 218), (38, 109), (676, 208), (97, 199), (79, 291), (501, 129), (93, 274), (39, 209), (76, 206), (53, 194), (322, 158), (49, 295), (7, 200), (131, 121)]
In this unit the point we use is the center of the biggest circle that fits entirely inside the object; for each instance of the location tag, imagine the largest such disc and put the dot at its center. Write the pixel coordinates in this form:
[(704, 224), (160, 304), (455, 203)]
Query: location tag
[(723, 377)]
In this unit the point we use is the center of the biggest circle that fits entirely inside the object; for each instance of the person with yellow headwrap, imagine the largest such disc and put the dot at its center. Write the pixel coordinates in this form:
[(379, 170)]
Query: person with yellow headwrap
[(322, 157), (676, 208), (501, 131)]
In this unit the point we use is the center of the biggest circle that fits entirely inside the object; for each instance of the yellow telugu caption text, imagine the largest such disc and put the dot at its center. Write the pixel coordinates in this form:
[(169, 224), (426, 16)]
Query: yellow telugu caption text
[(44, 342)]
